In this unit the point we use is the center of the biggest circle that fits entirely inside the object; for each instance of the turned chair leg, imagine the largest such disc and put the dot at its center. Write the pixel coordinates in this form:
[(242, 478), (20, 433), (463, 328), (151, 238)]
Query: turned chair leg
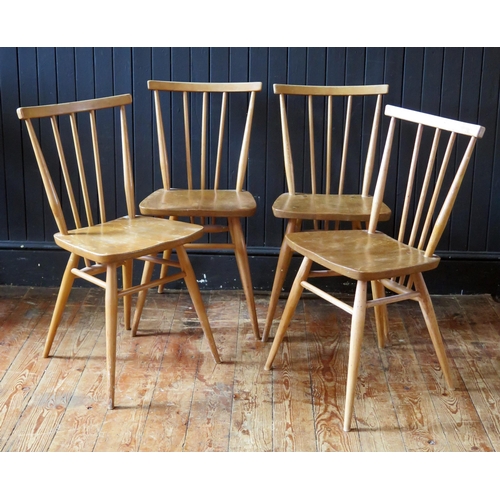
[(147, 272), (381, 316), (241, 255), (164, 267), (62, 298), (357, 331), (433, 327), (127, 270), (290, 306), (194, 293), (284, 259), (111, 308)]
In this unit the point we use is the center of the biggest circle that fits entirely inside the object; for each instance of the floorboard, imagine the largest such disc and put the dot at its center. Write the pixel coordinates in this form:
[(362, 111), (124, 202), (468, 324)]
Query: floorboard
[(171, 396)]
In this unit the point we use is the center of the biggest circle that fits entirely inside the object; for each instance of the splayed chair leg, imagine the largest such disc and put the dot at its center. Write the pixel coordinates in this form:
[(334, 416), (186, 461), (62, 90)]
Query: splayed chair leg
[(291, 305), (357, 332)]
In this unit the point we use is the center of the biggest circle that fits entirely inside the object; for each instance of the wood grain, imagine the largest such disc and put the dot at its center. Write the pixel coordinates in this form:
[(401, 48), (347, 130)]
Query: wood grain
[(174, 397)]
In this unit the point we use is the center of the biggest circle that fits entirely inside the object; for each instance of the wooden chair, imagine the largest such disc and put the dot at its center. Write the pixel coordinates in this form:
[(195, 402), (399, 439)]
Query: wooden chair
[(341, 133), (390, 263), (104, 244), (206, 194)]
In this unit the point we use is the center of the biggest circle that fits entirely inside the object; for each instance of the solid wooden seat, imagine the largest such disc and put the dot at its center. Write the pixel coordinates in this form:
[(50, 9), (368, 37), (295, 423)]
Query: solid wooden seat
[(185, 202), (328, 207), (356, 111), (361, 256), (395, 264), (113, 242), (126, 238), (214, 194)]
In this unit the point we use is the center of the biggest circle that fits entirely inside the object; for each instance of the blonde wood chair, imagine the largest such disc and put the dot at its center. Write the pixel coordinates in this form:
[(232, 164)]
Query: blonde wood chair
[(331, 112), (213, 194), (105, 245), (395, 264)]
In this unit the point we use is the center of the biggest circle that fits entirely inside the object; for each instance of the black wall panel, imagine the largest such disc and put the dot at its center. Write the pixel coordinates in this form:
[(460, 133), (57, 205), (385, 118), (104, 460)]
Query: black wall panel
[(455, 82)]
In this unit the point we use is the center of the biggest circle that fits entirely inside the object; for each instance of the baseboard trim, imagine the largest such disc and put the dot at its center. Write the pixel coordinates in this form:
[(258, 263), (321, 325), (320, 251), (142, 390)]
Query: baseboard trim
[(44, 267)]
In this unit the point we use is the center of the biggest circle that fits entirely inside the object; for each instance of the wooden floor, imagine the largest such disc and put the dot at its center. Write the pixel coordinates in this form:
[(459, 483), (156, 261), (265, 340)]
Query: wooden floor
[(171, 396)]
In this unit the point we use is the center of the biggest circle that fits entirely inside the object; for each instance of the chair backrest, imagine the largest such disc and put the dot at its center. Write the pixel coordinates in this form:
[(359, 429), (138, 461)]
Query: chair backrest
[(429, 198), (198, 115), (341, 126), (81, 168)]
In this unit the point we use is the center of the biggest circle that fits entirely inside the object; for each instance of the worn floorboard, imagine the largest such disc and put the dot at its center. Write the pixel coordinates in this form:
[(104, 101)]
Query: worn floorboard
[(171, 396)]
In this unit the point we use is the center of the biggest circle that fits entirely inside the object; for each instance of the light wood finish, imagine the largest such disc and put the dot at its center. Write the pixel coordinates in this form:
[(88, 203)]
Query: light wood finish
[(333, 205), (218, 209), (104, 245), (389, 263), (173, 398)]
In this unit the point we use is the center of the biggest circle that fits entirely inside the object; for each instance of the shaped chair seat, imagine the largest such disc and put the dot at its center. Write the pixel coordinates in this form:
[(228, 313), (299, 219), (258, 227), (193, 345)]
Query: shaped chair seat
[(326, 207), (205, 203), (127, 238), (361, 255)]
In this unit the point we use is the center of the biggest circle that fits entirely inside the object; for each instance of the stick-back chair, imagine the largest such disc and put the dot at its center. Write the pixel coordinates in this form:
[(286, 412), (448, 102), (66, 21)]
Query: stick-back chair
[(73, 157), (340, 133), (211, 123), (395, 264)]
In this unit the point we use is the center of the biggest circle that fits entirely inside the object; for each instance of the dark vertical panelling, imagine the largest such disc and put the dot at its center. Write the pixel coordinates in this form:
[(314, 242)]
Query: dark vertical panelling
[(66, 78), (335, 75), (143, 123), (12, 173), (103, 62), (335, 69), (316, 65), (469, 106), (122, 84), (257, 166), (297, 114), (449, 105), (161, 63), (453, 82), (431, 98), (85, 89), (200, 72), (374, 75), (315, 75), (275, 176), (394, 75), (181, 67), (432, 80), (484, 157), (238, 72), (47, 94), (355, 75), (410, 97), (492, 136), (35, 196), (66, 92), (3, 196), (219, 72), (14, 177), (355, 66)]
